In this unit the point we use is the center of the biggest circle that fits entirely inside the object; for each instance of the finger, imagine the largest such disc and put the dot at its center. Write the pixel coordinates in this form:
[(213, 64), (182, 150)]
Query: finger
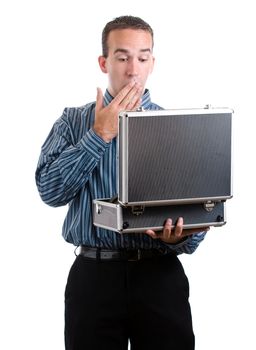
[(123, 93), (136, 105), (99, 100), (152, 234), (131, 98), (179, 227), (167, 230)]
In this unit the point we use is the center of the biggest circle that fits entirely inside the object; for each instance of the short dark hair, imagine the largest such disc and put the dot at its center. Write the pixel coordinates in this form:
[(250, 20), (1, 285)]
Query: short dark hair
[(123, 22)]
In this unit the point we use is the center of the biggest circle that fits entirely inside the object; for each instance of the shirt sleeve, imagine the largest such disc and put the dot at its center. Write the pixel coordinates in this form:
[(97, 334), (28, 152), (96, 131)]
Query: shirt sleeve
[(188, 245), (64, 167)]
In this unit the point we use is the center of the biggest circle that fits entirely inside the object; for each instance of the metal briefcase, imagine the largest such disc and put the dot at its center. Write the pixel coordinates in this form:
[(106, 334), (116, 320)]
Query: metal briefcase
[(170, 163)]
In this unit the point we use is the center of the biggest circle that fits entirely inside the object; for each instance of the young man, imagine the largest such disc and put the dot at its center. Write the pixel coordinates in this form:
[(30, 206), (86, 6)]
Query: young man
[(120, 287)]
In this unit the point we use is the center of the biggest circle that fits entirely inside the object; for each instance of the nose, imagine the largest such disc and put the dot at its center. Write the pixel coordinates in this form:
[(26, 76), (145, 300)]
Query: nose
[(133, 68)]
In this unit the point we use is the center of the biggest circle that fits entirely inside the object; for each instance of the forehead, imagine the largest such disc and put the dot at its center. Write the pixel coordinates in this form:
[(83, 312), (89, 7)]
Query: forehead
[(130, 40)]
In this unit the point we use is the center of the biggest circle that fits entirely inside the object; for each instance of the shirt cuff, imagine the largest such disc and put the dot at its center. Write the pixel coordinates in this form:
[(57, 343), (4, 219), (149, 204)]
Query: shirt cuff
[(94, 144), (185, 240)]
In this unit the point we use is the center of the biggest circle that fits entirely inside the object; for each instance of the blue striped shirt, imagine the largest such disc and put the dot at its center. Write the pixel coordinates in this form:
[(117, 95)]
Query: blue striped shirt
[(77, 166)]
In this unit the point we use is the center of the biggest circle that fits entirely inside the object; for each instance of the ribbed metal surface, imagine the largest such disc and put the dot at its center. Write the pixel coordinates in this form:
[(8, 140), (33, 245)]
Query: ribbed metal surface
[(178, 157), (194, 215)]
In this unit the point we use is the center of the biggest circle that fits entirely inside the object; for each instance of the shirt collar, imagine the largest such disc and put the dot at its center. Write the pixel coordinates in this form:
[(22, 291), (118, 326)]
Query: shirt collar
[(145, 103)]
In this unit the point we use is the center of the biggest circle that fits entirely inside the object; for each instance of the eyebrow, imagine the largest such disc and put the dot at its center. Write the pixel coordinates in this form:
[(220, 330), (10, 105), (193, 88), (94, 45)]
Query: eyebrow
[(127, 51)]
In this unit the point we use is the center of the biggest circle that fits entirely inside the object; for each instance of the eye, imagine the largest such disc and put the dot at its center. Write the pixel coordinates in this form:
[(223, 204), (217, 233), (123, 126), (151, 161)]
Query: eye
[(122, 59), (143, 59)]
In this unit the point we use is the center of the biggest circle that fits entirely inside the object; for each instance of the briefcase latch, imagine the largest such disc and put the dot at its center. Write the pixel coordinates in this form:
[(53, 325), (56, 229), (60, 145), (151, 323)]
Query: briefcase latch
[(209, 205), (138, 210)]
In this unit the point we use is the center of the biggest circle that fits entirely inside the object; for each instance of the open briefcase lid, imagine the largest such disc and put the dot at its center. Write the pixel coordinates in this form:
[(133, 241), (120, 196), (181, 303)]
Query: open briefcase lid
[(174, 156)]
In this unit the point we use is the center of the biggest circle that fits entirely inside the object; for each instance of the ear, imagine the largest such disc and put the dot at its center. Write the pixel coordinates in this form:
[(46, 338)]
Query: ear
[(102, 63)]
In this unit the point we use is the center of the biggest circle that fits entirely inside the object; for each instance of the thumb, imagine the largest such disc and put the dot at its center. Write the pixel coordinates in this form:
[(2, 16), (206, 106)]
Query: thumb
[(99, 99)]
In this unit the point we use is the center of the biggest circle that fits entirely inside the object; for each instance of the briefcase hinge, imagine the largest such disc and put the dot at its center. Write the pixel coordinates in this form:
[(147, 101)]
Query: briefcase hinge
[(140, 109)]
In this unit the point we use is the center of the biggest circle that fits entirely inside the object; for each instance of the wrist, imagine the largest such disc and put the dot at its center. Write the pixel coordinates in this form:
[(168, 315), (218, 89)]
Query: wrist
[(177, 240), (106, 137)]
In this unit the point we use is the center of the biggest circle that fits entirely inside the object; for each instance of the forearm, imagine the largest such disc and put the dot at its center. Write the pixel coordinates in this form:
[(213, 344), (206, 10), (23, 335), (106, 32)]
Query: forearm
[(63, 169)]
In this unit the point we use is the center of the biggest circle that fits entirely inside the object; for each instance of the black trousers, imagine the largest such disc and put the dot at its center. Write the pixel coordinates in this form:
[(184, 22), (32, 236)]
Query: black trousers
[(109, 302)]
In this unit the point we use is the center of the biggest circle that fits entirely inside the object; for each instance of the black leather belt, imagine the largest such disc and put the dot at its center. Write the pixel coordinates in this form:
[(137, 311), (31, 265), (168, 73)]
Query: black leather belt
[(119, 255)]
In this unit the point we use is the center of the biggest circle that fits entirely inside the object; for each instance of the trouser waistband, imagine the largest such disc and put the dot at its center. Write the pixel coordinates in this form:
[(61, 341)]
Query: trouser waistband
[(119, 254)]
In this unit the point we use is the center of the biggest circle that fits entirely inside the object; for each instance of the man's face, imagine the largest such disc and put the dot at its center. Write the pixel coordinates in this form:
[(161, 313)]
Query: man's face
[(129, 58)]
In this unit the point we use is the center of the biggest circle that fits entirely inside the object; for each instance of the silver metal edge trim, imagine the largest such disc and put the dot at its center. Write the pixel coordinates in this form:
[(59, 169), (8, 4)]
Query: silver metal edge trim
[(188, 111), (176, 201), (232, 156), (159, 228), (107, 227), (224, 212), (118, 158), (123, 182), (105, 202), (119, 218)]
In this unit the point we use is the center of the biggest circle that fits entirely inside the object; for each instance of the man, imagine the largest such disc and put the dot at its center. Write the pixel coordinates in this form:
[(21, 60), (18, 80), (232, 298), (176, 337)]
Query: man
[(120, 287)]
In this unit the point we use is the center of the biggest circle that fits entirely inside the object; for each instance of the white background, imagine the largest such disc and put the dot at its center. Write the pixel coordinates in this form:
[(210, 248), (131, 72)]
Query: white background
[(205, 54)]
